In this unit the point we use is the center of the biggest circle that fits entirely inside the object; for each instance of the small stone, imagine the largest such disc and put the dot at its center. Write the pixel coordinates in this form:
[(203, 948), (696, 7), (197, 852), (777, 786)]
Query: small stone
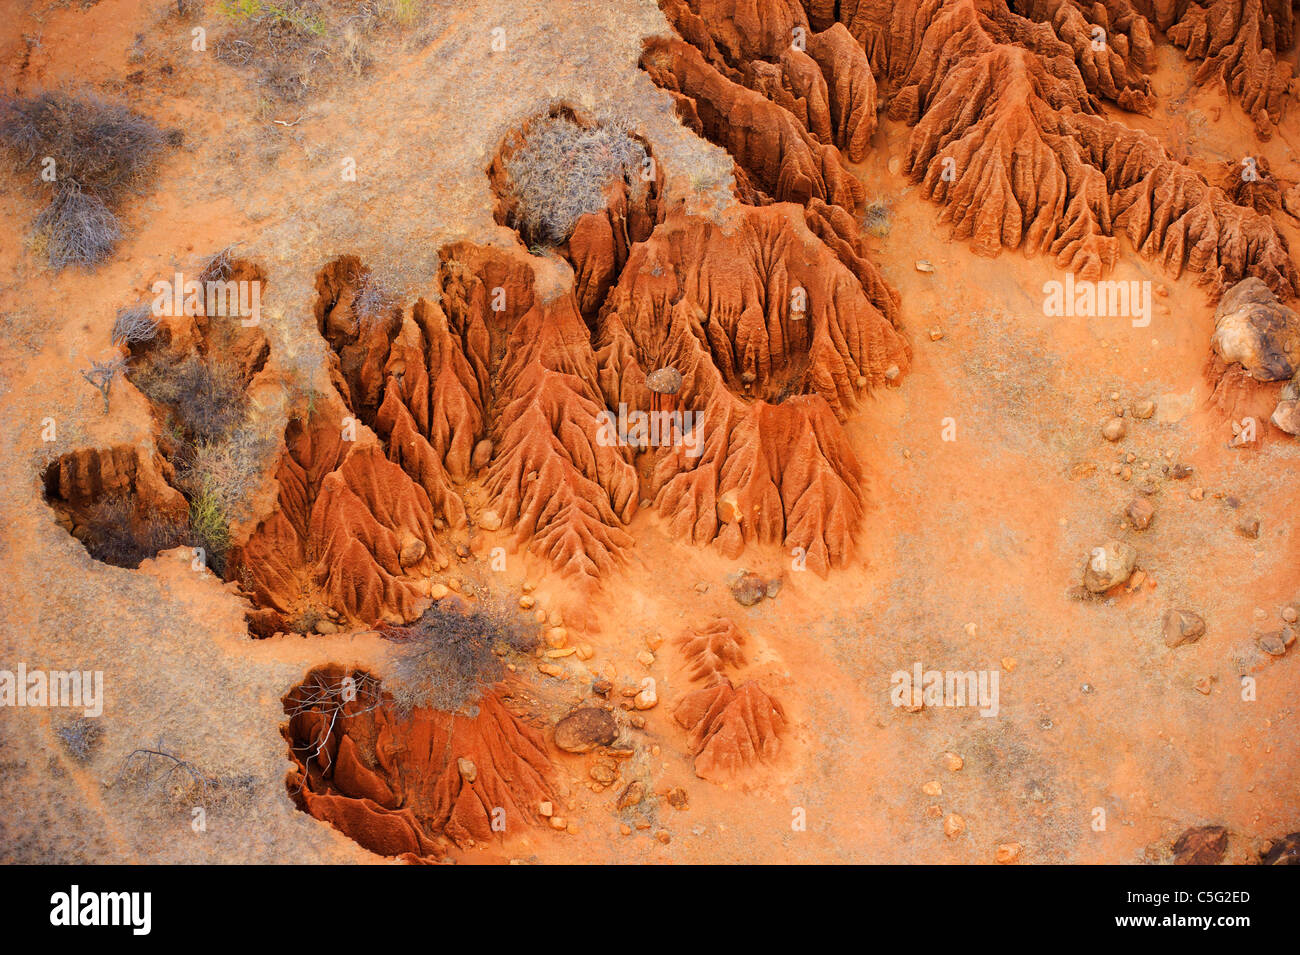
[(1109, 565), (1144, 409), (954, 825), (663, 836), (602, 687), (439, 591), (1290, 614), (481, 456), (1182, 626), (936, 334), (1204, 685), (1248, 527), (1009, 664), (1196, 493), (643, 823), (1272, 643), (632, 795), (647, 698), (412, 552), (1008, 853), (1125, 473), (654, 641), (546, 809), (560, 653), (923, 265), (604, 772), (551, 670), (895, 166), (489, 521), (1139, 513), (677, 798), (645, 658), (559, 822), (892, 372), (748, 588), (953, 762), (728, 507), (773, 588), (1180, 472), (624, 829), (1201, 846), (701, 587), (932, 788), (468, 771), (664, 381), (585, 652), (584, 729), (1114, 429), (527, 602), (557, 637)]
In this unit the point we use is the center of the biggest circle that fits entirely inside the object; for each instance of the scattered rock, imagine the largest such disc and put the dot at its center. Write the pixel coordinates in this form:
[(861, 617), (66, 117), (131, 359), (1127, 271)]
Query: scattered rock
[(1205, 845), (954, 825), (677, 798), (932, 788), (1286, 851), (556, 638), (603, 771), (468, 771), (645, 658), (481, 456), (439, 591), (1256, 331), (953, 762), (1286, 417), (1204, 685), (728, 507), (647, 698), (664, 381), (1139, 513), (584, 729), (527, 602), (1249, 527), (489, 521), (1114, 429), (923, 265), (1182, 626), (632, 795), (1273, 643), (1008, 853), (1144, 409), (1290, 614), (412, 552), (1180, 472), (936, 334), (748, 588), (773, 588), (1108, 566), (326, 626)]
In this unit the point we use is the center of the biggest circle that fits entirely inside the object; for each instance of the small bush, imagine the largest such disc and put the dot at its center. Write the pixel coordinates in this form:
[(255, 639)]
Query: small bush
[(561, 170), (206, 398), (76, 228), (877, 218), (80, 737), (210, 529), (134, 325), (104, 147), (122, 533), (452, 657)]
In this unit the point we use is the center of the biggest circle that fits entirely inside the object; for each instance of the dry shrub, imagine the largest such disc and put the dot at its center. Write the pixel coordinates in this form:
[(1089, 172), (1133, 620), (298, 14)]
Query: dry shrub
[(561, 170), (450, 657)]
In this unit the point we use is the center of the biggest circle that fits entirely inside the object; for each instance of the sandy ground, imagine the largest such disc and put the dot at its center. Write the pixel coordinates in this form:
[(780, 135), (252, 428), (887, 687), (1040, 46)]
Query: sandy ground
[(989, 529)]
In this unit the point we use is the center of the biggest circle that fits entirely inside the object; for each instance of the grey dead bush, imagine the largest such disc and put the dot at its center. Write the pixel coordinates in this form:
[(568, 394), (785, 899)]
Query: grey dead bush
[(449, 656), (76, 228), (561, 170)]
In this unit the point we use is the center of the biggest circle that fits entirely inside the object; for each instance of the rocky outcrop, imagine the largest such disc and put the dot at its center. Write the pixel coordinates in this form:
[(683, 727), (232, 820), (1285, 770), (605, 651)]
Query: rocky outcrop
[(1238, 43), (1008, 136), (401, 784), (774, 339)]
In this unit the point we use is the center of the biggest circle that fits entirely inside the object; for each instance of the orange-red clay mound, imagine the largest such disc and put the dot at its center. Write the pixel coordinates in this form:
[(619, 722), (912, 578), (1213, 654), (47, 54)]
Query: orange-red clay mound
[(399, 784), (731, 730)]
